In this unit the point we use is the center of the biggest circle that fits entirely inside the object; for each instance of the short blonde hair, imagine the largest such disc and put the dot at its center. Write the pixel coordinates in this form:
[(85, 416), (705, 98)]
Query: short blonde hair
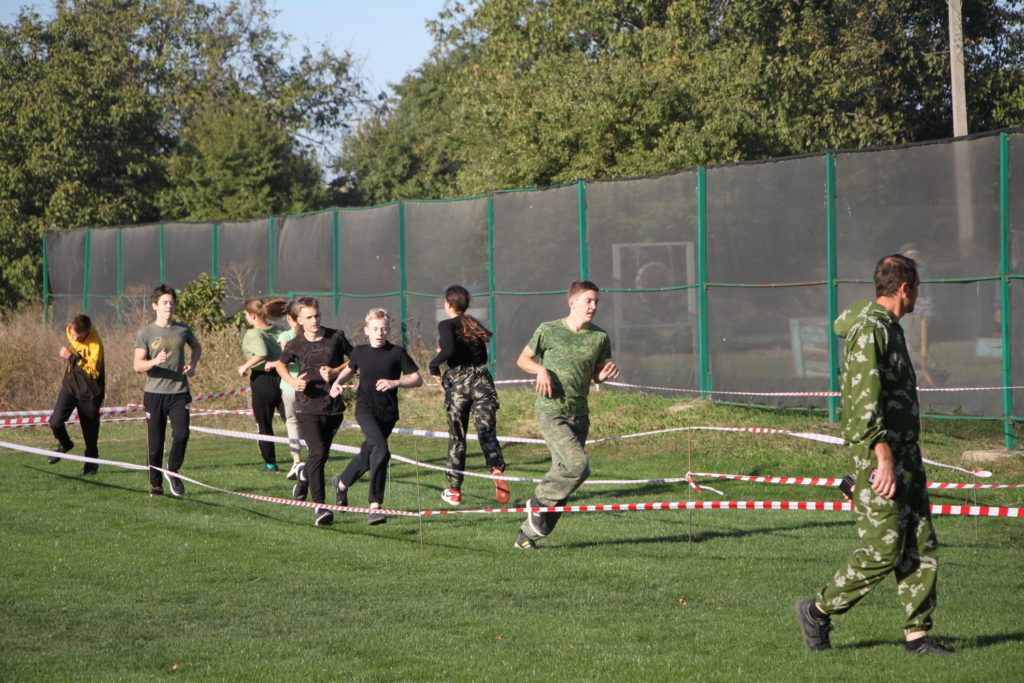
[(377, 314)]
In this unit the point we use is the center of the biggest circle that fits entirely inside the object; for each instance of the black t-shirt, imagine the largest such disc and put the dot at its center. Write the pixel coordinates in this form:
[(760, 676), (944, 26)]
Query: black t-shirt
[(387, 362), (454, 349), (329, 350)]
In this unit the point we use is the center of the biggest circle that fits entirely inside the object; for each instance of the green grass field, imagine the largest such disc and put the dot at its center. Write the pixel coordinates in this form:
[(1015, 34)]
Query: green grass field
[(102, 582)]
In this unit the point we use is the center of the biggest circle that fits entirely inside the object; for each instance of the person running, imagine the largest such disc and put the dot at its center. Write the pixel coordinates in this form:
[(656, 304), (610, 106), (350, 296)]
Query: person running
[(383, 368), (160, 353), (882, 426), (565, 355), (261, 347), (320, 353), (468, 390), (291, 423), (82, 388)]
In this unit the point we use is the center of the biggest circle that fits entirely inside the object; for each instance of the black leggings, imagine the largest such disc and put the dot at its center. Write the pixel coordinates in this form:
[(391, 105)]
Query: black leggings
[(318, 432), (266, 398), (373, 456)]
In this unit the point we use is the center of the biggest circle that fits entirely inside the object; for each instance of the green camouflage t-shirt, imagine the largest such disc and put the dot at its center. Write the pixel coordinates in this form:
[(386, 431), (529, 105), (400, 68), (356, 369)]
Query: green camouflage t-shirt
[(571, 358)]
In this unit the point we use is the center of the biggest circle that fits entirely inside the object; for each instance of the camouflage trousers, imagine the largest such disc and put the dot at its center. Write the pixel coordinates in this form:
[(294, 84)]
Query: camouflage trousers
[(469, 390), (896, 536), (565, 437)]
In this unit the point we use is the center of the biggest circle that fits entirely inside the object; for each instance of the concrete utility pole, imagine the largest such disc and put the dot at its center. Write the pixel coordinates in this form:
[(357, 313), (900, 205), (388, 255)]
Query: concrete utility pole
[(956, 67), (961, 156)]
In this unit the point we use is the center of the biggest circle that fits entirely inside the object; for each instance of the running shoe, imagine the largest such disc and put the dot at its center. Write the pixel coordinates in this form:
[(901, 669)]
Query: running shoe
[(90, 468), (176, 485), (156, 490), (926, 645), (323, 517), (376, 517), (451, 496), (53, 459), (271, 467), (524, 542), (815, 630), (294, 471), (501, 491), (340, 494), (301, 487)]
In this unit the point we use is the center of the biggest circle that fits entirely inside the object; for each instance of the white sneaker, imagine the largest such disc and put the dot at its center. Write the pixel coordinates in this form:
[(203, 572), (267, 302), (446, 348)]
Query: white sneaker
[(294, 471), (451, 496)]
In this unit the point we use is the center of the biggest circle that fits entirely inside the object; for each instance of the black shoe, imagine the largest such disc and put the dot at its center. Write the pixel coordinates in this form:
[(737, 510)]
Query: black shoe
[(524, 542), (926, 645), (301, 487), (815, 630), (323, 517), (340, 494), (90, 468), (176, 485), (156, 490), (376, 517), (59, 448), (536, 520)]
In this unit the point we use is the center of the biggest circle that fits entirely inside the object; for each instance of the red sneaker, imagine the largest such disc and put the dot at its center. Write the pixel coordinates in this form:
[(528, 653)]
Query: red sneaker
[(451, 496), (500, 487)]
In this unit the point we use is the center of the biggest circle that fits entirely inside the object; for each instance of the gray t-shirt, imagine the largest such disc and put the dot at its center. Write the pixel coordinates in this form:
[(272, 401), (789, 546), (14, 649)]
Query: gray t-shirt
[(168, 377)]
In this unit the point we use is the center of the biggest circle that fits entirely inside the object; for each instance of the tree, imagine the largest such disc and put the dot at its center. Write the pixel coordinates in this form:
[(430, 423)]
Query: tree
[(540, 92), (110, 104), (234, 162)]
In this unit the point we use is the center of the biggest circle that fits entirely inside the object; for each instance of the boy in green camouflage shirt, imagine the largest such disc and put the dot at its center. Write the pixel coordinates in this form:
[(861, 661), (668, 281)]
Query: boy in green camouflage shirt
[(565, 355)]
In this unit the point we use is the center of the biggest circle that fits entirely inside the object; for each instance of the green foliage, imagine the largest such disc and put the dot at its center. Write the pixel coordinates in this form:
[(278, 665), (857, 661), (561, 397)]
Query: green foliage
[(541, 93), (200, 304), (234, 162), (127, 111)]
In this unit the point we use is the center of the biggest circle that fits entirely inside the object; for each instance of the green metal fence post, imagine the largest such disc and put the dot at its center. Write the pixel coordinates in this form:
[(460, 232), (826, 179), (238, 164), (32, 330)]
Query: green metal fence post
[(335, 264), (1009, 435), (87, 264), (702, 281), (402, 300), (492, 363), (120, 273), (581, 205), (833, 286), (163, 259), (214, 242), (271, 251), (46, 284)]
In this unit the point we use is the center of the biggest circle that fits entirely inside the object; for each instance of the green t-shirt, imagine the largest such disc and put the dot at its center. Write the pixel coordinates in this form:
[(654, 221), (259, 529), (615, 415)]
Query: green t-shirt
[(293, 367), (571, 358), (263, 341), (167, 378)]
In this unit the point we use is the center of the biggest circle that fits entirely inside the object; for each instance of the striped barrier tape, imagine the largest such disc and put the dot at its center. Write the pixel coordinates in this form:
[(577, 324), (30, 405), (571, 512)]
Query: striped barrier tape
[(831, 481), (970, 510)]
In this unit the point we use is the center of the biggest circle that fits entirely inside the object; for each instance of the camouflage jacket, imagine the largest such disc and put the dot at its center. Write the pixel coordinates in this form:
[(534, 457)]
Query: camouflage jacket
[(879, 386)]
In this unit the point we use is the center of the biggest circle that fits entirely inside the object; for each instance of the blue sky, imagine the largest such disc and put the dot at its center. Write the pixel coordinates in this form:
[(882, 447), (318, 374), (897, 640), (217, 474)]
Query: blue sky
[(389, 37)]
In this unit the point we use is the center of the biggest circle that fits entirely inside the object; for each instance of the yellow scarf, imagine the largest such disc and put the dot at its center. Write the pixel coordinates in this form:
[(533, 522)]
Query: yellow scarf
[(90, 352)]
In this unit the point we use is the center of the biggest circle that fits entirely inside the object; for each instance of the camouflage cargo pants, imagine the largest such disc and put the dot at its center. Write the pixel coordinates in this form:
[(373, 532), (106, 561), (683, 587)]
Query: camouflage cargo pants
[(469, 390), (565, 437), (896, 536)]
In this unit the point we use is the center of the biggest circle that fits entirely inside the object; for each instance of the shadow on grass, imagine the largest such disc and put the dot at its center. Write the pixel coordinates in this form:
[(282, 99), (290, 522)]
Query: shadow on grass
[(702, 537)]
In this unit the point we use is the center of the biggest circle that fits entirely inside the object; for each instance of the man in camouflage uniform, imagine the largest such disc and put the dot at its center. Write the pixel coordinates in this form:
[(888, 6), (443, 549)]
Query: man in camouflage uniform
[(565, 355), (881, 424)]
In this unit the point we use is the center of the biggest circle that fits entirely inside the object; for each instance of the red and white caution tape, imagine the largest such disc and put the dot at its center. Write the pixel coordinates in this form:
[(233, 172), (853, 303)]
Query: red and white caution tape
[(971, 510), (831, 481)]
